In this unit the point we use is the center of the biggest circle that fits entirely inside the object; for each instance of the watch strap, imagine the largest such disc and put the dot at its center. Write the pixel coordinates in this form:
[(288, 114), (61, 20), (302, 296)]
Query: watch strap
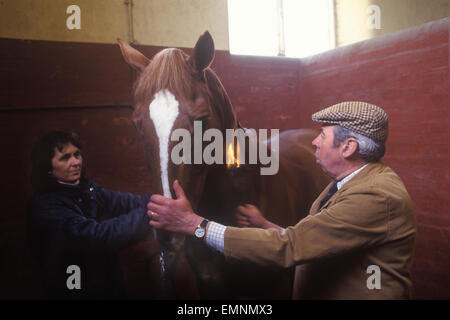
[(203, 224)]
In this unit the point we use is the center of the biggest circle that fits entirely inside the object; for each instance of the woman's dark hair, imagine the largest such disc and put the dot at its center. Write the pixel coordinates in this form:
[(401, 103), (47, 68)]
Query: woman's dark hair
[(42, 154)]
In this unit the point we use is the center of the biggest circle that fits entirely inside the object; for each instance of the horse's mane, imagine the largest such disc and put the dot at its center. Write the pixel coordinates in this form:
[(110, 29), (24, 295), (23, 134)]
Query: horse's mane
[(167, 70), (225, 111)]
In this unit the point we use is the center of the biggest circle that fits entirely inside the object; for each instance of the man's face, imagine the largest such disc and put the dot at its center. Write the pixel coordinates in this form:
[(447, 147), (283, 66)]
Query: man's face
[(66, 164), (328, 156)]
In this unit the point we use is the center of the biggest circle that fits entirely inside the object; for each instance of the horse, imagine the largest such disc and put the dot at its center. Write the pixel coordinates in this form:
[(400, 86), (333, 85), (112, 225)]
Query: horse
[(174, 90)]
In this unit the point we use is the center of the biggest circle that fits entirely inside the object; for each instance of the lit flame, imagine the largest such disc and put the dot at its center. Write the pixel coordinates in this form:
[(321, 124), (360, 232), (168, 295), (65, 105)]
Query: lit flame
[(231, 159)]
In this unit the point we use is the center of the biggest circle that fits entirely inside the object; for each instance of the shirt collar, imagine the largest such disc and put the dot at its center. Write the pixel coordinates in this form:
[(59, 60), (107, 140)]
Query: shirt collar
[(70, 184), (343, 181)]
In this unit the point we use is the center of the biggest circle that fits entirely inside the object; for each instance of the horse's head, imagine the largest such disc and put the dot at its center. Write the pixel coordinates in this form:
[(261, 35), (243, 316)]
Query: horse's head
[(174, 90)]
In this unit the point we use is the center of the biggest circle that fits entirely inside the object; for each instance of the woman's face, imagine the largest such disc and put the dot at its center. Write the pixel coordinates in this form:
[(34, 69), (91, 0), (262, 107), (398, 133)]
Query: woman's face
[(67, 163)]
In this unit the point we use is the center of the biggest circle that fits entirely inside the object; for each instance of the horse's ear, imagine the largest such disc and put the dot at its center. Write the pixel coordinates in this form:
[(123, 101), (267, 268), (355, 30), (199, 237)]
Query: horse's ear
[(132, 56), (203, 54)]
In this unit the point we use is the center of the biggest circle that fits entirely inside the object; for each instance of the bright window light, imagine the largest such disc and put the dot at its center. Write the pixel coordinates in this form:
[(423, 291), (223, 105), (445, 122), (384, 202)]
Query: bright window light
[(292, 28), (252, 27)]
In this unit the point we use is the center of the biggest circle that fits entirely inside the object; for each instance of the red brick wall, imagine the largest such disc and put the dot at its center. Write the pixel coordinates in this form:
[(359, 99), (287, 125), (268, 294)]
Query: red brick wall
[(86, 87)]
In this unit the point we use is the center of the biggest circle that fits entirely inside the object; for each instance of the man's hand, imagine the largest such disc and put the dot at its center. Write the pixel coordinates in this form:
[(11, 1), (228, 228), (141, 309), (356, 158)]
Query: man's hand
[(249, 216), (173, 215)]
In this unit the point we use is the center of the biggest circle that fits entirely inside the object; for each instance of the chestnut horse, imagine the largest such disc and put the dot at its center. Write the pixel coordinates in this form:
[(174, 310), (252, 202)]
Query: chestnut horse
[(173, 90)]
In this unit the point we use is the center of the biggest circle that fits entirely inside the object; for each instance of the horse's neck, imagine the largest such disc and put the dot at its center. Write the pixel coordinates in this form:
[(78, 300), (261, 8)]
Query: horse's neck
[(226, 188), (277, 196), (287, 196)]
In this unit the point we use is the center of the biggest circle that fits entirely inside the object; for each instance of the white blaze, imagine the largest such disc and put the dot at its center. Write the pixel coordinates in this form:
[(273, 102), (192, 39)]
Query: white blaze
[(163, 112)]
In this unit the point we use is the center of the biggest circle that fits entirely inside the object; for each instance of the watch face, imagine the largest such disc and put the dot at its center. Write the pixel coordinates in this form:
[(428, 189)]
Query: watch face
[(199, 232)]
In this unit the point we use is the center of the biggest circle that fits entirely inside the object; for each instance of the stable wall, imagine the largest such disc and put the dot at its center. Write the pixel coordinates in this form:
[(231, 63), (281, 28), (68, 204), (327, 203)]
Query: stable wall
[(395, 15), (173, 23), (176, 23)]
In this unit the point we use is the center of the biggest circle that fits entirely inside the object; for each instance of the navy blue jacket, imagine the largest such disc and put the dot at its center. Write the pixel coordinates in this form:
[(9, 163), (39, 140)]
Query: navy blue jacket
[(86, 226)]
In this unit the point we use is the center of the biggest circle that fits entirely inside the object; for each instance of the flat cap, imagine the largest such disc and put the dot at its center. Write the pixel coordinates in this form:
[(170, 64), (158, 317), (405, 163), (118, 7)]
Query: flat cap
[(361, 117)]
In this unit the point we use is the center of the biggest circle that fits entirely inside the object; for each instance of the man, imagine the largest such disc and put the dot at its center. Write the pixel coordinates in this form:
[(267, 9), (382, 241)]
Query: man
[(76, 226), (357, 241)]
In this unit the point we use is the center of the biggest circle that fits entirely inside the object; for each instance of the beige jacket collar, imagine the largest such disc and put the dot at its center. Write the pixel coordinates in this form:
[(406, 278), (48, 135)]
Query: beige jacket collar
[(370, 169)]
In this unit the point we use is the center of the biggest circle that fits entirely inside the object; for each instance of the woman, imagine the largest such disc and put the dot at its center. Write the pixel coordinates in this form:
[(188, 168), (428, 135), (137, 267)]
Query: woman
[(76, 226)]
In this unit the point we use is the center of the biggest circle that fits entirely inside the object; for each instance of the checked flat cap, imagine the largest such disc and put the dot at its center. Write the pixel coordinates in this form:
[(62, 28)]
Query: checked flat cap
[(361, 117)]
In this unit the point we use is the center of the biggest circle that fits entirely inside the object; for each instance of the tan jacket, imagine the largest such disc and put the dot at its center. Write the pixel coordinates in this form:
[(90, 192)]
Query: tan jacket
[(368, 222)]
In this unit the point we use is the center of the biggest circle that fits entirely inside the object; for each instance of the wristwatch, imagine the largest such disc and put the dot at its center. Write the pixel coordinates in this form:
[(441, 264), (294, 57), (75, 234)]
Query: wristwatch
[(200, 231)]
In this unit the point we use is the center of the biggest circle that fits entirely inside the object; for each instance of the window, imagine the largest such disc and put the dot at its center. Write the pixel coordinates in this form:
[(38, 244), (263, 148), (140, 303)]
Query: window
[(292, 28)]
